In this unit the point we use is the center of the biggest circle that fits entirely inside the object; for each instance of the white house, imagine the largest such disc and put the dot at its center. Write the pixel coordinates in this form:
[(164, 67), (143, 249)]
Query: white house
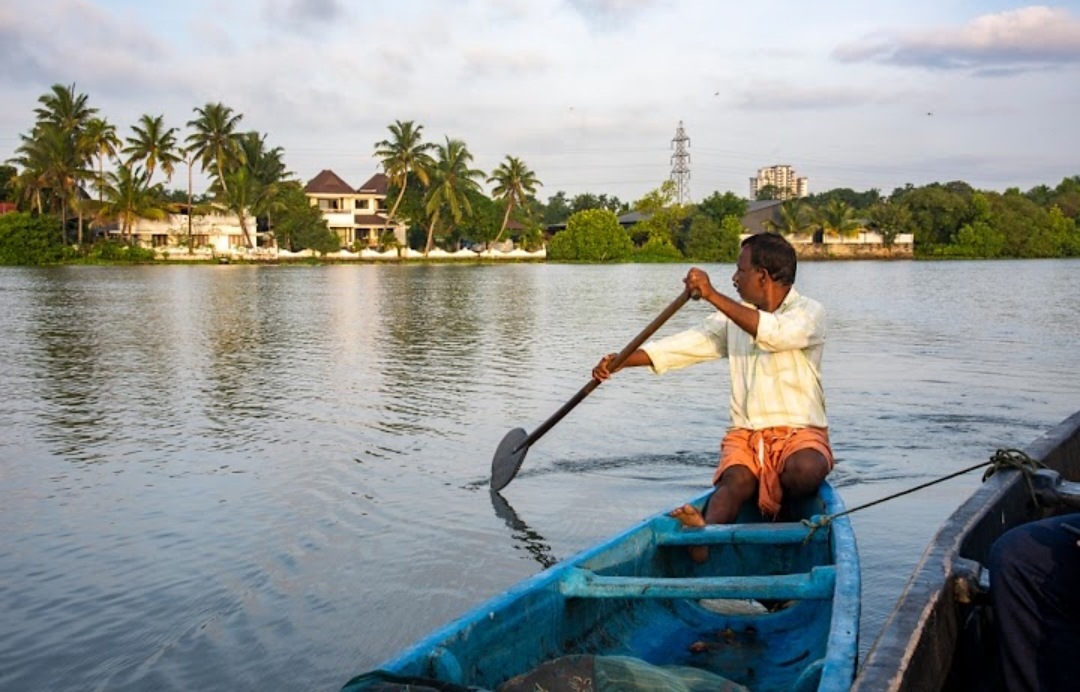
[(356, 215), (218, 231)]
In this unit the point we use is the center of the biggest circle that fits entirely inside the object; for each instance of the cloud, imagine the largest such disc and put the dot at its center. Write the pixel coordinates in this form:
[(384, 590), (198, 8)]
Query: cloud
[(779, 96), (1021, 40), (304, 15), (606, 15), (483, 62), (47, 45)]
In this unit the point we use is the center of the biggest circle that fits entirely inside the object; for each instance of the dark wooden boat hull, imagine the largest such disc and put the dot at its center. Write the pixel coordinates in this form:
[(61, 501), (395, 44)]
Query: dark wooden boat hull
[(639, 595), (933, 640)]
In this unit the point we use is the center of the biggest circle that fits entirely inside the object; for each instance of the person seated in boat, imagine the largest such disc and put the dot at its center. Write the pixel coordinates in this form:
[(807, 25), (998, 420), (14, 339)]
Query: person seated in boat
[(777, 444), (1035, 593)]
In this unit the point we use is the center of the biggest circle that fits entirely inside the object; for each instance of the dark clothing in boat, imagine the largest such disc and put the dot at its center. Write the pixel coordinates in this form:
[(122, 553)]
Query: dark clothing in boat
[(1035, 591)]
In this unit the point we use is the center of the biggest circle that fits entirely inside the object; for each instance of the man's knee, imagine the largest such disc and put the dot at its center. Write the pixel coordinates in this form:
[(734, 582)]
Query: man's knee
[(739, 481), (804, 472)]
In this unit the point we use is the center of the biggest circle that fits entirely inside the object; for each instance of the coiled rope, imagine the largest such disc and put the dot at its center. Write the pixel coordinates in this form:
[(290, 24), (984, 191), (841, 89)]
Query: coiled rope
[(1002, 459)]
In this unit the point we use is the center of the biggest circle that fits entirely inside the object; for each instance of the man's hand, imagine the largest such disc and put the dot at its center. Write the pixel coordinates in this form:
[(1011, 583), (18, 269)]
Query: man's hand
[(698, 284), (602, 370)]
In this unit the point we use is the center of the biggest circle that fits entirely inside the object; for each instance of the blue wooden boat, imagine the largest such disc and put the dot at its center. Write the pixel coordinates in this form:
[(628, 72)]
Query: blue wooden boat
[(939, 634), (640, 595)]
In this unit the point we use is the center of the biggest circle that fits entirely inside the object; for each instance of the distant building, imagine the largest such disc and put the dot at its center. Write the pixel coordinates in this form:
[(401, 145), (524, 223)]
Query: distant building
[(783, 178), (216, 229), (356, 215)]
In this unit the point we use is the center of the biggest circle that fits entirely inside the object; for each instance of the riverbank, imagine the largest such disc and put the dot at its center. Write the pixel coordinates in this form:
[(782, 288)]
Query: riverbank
[(275, 255), (853, 251)]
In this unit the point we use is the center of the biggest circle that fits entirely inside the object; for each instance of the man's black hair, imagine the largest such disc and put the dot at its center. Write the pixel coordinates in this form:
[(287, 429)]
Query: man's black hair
[(771, 252)]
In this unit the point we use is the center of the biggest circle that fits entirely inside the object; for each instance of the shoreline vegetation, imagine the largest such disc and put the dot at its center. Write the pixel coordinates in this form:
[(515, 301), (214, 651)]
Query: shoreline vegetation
[(75, 191)]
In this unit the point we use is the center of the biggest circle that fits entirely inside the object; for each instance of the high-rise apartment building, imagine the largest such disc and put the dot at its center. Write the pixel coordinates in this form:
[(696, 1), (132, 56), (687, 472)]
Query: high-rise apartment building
[(781, 177)]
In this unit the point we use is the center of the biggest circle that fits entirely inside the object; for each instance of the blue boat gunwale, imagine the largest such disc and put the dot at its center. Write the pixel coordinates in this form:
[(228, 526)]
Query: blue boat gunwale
[(842, 645)]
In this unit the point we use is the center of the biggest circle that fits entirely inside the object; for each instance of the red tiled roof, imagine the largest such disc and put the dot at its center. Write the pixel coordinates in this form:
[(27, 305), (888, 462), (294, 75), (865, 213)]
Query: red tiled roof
[(369, 220), (7, 207), (327, 183), (377, 184)]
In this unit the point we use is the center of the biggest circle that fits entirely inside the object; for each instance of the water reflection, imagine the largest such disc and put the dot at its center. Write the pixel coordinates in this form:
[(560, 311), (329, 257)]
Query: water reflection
[(533, 542)]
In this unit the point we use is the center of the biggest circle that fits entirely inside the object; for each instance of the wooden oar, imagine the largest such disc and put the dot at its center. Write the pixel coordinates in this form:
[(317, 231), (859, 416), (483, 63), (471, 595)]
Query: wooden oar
[(512, 449)]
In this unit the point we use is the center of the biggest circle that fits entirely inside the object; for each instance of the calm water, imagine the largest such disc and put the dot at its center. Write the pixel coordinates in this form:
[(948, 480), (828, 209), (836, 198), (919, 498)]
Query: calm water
[(232, 477)]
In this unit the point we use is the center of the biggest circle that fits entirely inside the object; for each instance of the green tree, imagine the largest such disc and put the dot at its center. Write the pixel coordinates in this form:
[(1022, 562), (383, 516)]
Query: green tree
[(53, 156), (268, 173), (838, 217), (709, 241), (514, 184), (978, 236), (153, 144), (1066, 231), (856, 200), (718, 207), (557, 210), (403, 153), (451, 181), (978, 239), (129, 197), (766, 192), (482, 224), (215, 141), (298, 225), (937, 213), (1024, 225), (593, 235), (795, 218), (663, 220), (889, 219), (36, 156), (7, 183), (1067, 197), (102, 140), (30, 239)]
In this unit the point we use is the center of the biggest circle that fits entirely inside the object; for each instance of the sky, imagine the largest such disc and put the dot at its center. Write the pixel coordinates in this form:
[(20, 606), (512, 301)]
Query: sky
[(589, 94)]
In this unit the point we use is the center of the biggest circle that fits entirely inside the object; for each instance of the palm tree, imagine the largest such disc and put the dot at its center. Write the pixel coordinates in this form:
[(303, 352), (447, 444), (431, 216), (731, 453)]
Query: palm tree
[(838, 217), (214, 142), (153, 144), (451, 181), (102, 140), (514, 183), (403, 154), (129, 197), (794, 218), (58, 134), (33, 157), (64, 108), (50, 169), (253, 180)]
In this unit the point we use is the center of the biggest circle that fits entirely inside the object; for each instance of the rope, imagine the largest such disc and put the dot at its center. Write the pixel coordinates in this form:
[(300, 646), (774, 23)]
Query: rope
[(1002, 459)]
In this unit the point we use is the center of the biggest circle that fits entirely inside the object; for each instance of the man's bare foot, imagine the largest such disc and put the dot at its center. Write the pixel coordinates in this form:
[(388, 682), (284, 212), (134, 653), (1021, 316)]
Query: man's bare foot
[(690, 517)]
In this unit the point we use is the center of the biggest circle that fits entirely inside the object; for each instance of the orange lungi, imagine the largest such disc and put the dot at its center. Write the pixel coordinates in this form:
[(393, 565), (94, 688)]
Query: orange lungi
[(764, 453)]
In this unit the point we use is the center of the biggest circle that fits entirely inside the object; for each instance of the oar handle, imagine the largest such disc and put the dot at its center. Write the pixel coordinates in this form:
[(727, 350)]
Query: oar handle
[(619, 359)]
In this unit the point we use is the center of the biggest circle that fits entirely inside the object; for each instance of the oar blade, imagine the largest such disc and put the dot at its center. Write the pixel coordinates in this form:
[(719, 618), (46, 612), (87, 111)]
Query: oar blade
[(508, 458)]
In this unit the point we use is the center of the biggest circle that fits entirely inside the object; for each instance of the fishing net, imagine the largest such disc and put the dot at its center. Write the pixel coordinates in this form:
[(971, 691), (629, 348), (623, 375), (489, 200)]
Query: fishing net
[(579, 673)]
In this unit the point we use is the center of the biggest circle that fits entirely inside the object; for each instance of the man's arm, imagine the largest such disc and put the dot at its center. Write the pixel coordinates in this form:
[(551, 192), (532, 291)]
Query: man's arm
[(745, 317), (602, 370)]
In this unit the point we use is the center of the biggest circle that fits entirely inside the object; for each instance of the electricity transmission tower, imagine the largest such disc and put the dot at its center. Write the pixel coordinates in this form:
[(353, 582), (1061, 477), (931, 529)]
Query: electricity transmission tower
[(680, 165)]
